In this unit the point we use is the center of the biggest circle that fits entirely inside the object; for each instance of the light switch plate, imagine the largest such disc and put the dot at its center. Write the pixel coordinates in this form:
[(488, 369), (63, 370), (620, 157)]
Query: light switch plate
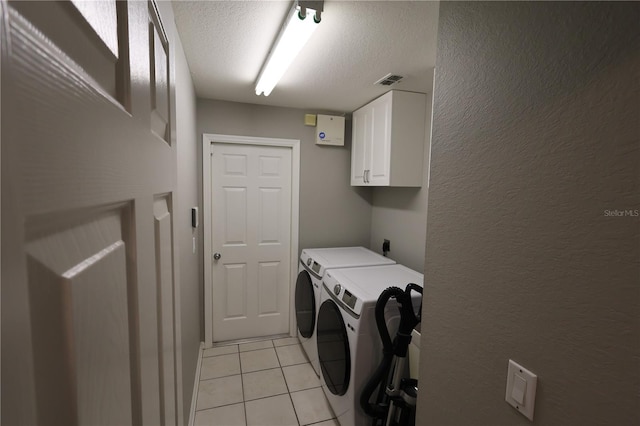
[(521, 389)]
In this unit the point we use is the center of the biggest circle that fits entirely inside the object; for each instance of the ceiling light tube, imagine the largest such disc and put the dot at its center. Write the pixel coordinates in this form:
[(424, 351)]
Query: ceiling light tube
[(293, 36)]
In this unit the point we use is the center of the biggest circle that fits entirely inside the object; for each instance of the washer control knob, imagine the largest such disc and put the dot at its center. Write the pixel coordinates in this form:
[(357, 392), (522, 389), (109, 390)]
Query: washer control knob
[(336, 289), (309, 261)]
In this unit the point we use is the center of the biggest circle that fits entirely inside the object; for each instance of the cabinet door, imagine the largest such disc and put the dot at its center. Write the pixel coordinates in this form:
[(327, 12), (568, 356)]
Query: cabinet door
[(361, 135), (380, 140)]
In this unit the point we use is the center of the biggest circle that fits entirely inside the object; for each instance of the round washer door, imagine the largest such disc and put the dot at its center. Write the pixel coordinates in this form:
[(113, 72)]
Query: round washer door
[(305, 305), (333, 348)]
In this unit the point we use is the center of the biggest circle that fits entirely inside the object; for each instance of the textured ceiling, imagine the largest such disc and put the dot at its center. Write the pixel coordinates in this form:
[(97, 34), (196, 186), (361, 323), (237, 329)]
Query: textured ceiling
[(356, 44)]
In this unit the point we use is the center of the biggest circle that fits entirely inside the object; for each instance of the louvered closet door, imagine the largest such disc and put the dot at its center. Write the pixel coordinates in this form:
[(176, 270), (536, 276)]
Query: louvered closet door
[(88, 180)]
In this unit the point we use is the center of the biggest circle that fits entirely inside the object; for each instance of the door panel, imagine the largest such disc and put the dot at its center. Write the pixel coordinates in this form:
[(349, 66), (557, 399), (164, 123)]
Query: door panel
[(78, 284), (268, 278), (165, 288), (235, 288), (269, 214), (102, 17), (251, 230), (235, 216), (88, 33), (88, 325), (159, 76)]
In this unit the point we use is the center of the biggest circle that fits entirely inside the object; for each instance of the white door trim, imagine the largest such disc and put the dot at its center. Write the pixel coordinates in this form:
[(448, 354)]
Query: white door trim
[(207, 140)]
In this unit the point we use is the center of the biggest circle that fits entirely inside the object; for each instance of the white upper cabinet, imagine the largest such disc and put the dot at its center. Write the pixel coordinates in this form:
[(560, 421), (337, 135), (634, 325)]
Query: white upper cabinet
[(387, 147)]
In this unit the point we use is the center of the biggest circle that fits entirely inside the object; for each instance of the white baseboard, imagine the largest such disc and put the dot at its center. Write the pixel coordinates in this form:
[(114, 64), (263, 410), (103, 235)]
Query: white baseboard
[(196, 382)]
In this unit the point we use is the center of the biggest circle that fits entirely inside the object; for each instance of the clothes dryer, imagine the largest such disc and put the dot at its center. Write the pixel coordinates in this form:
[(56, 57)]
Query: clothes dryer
[(314, 263), (348, 343)]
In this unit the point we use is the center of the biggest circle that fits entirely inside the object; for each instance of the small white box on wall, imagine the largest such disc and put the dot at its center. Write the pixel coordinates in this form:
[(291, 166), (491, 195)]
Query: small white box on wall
[(330, 130)]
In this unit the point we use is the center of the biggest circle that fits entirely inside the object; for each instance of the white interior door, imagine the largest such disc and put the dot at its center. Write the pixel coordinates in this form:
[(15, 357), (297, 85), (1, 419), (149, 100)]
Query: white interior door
[(88, 175), (251, 234)]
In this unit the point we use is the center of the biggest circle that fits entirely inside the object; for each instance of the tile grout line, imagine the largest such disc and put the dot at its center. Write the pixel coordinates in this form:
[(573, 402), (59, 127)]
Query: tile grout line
[(251, 340), (244, 404), (221, 377), (265, 368), (253, 350), (219, 406), (269, 396), (307, 389), (280, 367), (226, 375), (295, 412)]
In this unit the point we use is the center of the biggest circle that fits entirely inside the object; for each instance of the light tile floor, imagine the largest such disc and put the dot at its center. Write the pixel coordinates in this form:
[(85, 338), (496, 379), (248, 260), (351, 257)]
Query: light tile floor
[(264, 383)]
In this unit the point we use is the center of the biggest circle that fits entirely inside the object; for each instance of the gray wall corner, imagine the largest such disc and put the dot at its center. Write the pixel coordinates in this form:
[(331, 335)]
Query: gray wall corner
[(533, 236)]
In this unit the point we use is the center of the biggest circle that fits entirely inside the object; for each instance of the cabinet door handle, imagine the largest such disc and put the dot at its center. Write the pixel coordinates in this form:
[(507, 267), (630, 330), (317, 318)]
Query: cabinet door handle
[(366, 176)]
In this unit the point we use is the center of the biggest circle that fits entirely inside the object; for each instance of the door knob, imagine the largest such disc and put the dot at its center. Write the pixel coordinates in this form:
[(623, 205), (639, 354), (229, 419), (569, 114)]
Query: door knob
[(217, 256)]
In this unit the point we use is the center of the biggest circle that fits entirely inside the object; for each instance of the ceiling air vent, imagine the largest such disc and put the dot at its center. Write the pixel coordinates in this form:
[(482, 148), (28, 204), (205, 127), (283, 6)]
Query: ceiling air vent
[(389, 79)]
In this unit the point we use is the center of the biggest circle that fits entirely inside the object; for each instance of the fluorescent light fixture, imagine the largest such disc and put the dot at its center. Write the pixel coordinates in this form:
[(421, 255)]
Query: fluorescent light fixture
[(301, 22)]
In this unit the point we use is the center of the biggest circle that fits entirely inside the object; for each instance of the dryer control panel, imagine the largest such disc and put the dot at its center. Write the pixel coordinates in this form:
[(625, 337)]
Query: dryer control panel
[(311, 264), (345, 297), (349, 299)]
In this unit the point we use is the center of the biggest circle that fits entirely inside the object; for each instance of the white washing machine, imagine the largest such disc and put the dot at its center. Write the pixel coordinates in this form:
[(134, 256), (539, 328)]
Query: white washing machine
[(313, 265), (349, 346)]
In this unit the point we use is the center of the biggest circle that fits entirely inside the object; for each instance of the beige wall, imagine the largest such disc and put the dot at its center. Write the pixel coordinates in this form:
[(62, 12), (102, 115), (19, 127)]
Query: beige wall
[(189, 264), (400, 215), (535, 137), (332, 213)]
